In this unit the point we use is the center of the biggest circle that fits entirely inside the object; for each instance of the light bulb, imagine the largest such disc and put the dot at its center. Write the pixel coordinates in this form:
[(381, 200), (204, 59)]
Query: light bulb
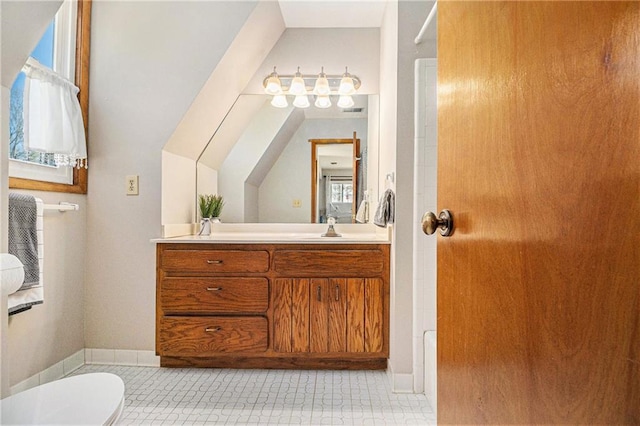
[(345, 101), (322, 84), (346, 84), (297, 85), (323, 101), (301, 101), (279, 101), (272, 84)]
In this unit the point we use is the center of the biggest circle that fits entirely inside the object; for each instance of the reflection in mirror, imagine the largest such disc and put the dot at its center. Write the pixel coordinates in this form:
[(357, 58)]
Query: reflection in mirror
[(336, 169), (259, 159)]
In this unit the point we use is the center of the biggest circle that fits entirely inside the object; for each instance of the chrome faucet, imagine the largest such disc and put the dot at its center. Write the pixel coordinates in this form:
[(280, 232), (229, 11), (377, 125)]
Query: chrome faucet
[(331, 232)]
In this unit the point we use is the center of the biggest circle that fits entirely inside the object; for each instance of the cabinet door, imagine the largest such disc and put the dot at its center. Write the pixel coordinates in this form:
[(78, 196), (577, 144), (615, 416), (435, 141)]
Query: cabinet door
[(365, 315), (291, 315), (321, 315), (328, 315)]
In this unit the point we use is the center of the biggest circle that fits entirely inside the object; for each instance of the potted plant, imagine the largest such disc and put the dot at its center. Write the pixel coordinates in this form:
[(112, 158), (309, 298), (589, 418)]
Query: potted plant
[(210, 206)]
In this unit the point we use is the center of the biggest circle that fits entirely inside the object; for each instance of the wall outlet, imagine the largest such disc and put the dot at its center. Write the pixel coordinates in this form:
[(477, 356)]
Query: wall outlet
[(132, 184), (297, 203)]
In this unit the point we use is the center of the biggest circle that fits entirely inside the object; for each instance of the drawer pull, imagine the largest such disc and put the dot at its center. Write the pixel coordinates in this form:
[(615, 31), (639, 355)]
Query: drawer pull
[(337, 293), (212, 329), (214, 262), (214, 288), (319, 291)]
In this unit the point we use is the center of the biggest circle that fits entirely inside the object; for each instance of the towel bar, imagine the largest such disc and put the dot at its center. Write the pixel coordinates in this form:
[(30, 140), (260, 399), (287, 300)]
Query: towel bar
[(62, 206)]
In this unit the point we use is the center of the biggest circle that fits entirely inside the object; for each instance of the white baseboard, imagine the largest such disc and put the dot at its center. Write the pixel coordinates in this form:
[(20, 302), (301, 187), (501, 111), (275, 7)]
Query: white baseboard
[(121, 357), (400, 383), (55, 372), (87, 356)]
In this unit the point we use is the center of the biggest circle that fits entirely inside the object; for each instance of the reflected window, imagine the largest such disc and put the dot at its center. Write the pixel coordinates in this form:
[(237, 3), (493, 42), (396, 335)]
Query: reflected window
[(341, 192)]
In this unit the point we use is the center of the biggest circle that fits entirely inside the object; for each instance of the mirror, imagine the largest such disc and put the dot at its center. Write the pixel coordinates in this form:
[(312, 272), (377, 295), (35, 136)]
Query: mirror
[(260, 161)]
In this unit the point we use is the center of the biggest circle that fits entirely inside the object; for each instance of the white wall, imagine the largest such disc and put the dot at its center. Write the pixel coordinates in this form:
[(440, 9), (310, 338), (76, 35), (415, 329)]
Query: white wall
[(294, 167), (334, 48), (149, 61), (46, 334), (53, 331), (249, 46), (402, 22), (425, 195)]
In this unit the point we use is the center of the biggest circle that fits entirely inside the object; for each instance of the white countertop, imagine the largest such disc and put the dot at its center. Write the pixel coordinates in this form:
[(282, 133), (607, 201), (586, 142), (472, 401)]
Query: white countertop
[(284, 234)]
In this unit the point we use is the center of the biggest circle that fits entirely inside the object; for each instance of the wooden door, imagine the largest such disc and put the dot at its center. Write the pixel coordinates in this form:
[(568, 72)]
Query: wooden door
[(539, 161)]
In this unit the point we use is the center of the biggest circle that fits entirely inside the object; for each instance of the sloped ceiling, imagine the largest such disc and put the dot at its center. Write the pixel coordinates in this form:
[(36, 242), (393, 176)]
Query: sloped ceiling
[(23, 23)]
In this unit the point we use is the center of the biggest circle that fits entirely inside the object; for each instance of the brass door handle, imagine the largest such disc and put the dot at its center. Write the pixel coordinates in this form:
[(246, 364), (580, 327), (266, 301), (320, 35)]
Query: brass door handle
[(444, 221)]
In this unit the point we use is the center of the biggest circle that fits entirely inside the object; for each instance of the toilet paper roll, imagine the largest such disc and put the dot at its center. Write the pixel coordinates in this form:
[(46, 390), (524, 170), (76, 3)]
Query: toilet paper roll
[(11, 273)]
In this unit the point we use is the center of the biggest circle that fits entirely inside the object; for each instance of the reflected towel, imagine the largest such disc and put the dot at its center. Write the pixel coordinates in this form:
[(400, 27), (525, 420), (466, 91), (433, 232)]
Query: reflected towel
[(385, 213), (363, 212)]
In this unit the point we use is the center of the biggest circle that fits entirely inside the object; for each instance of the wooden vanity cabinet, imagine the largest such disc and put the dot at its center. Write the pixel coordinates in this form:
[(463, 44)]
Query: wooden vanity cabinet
[(273, 305)]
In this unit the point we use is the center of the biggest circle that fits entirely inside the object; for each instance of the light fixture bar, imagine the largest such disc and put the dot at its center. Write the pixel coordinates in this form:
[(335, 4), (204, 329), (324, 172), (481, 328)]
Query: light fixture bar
[(309, 80), (334, 81)]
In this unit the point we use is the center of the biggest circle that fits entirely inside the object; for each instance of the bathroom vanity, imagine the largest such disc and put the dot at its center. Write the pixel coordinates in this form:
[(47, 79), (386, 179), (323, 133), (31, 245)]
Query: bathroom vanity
[(272, 302)]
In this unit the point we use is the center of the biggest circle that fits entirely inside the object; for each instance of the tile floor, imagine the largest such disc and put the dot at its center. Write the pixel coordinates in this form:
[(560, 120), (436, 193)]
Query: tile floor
[(263, 397)]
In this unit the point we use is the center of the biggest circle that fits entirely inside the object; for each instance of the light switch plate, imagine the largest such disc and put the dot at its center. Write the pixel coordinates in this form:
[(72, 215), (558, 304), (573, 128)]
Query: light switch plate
[(132, 184)]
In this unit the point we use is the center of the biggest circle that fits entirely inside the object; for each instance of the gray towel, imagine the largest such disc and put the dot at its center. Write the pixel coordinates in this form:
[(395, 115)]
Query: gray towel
[(23, 236), (386, 209)]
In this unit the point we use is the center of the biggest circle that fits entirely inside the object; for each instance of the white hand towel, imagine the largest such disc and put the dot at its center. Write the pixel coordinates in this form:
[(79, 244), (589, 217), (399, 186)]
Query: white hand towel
[(363, 212)]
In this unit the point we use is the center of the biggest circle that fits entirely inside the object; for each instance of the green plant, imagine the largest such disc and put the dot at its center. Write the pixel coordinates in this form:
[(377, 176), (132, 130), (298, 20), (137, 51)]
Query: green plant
[(210, 205)]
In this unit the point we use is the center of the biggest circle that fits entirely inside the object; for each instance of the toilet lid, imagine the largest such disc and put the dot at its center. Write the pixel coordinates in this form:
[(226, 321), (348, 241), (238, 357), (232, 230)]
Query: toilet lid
[(88, 399)]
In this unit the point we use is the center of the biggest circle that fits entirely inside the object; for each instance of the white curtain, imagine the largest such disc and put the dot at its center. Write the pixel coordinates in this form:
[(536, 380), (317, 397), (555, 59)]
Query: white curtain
[(52, 116)]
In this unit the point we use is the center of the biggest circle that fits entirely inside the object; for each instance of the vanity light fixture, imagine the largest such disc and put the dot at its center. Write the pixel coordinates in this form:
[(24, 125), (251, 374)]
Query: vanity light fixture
[(297, 87), (322, 86), (347, 85), (272, 84)]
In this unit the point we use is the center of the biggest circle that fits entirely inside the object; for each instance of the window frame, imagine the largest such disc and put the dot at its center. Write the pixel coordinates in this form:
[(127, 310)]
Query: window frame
[(83, 42)]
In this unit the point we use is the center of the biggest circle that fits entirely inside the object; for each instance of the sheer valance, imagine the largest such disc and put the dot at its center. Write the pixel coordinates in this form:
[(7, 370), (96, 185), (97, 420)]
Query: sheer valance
[(52, 116)]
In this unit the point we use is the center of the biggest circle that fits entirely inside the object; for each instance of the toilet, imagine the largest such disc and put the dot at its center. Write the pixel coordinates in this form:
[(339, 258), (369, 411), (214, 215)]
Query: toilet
[(86, 399)]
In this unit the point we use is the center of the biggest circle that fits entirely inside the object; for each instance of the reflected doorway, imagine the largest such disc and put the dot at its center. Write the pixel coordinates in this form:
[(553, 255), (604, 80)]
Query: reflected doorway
[(335, 167)]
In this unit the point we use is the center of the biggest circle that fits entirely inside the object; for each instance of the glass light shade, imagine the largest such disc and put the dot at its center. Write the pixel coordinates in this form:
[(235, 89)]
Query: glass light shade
[(346, 85), (279, 101), (301, 101), (323, 102), (345, 101), (297, 86), (273, 86), (322, 85)]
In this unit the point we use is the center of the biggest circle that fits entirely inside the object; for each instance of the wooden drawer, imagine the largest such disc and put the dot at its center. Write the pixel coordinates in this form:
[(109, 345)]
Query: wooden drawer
[(215, 261), (207, 336), (214, 295), (328, 262)]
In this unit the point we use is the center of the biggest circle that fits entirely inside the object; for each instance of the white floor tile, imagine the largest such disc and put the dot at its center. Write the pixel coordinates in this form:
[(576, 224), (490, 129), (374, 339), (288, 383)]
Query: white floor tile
[(263, 397)]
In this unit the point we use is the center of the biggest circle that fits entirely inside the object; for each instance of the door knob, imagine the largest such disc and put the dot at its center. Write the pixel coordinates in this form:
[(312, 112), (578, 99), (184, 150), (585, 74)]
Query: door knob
[(444, 221)]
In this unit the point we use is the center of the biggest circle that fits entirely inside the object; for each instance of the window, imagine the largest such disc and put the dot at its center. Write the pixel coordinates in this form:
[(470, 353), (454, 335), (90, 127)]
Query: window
[(65, 48), (341, 192)]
